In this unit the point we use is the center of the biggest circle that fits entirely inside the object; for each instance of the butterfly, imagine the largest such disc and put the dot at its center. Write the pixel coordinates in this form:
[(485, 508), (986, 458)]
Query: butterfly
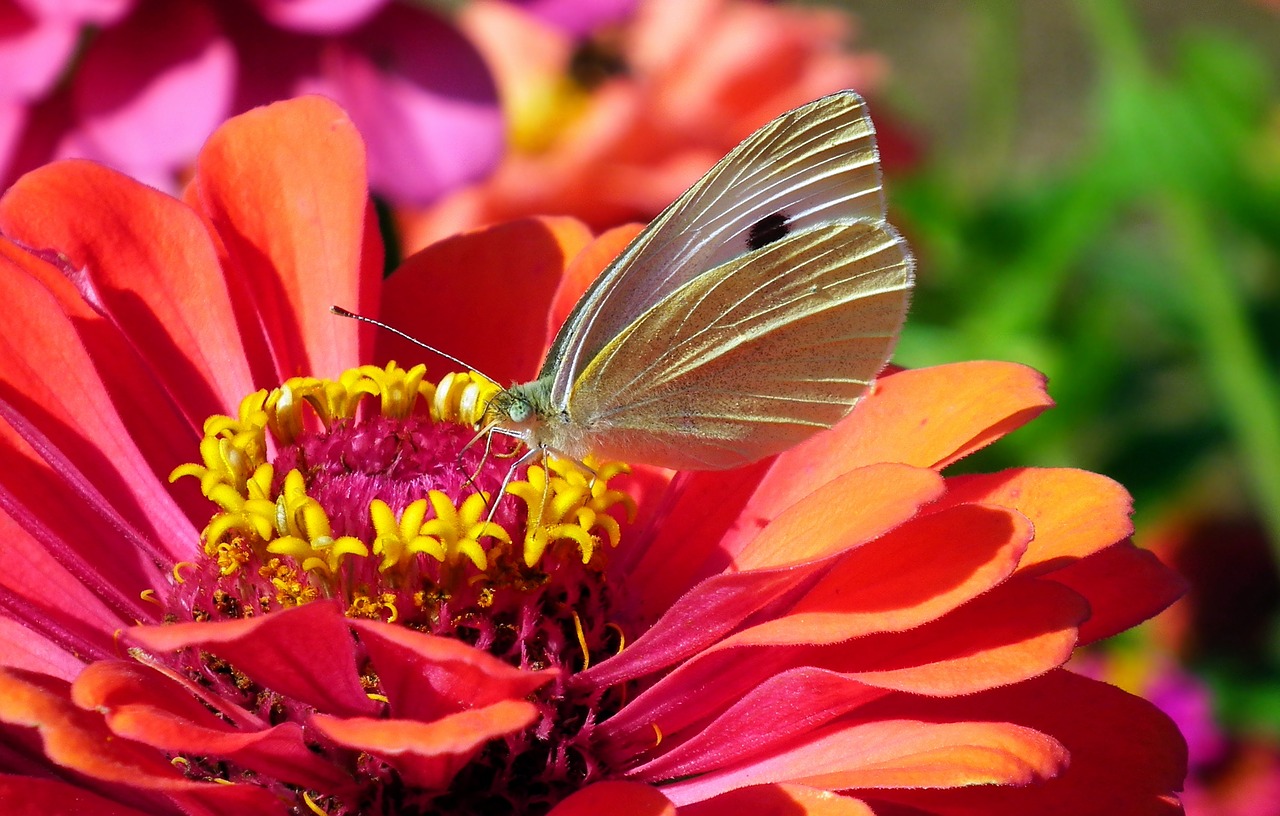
[(750, 314)]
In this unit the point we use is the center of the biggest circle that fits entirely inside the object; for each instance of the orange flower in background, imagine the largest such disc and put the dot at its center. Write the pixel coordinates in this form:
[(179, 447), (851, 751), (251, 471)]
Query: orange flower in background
[(315, 617), (613, 130)]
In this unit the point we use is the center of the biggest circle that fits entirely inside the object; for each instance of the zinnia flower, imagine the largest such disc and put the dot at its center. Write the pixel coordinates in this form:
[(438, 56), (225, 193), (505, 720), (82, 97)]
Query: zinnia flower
[(612, 129), (316, 618), (149, 80)]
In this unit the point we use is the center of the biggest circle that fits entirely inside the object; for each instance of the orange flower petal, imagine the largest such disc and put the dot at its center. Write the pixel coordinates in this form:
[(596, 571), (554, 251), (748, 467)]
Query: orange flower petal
[(1075, 513), (424, 676), (896, 754), (1123, 585), (306, 652), (481, 296), (820, 524), (286, 191), (779, 800), (930, 418), (1017, 631), (146, 259), (1126, 755), (615, 799), (147, 707), (718, 604), (695, 538), (78, 739), (428, 754), (892, 584)]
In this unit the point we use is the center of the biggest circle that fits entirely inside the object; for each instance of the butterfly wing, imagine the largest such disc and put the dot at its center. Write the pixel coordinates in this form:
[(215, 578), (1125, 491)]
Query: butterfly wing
[(751, 357), (814, 165)]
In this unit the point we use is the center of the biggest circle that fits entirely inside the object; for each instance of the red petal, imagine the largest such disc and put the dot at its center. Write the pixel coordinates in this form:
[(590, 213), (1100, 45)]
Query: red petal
[(32, 796), (883, 586), (692, 539), (307, 652), (615, 799), (285, 188), (779, 800), (429, 754), (143, 705), (928, 418), (1123, 585), (147, 260), (57, 400), (424, 676), (718, 604), (1075, 513), (1126, 756), (895, 754), (482, 297)]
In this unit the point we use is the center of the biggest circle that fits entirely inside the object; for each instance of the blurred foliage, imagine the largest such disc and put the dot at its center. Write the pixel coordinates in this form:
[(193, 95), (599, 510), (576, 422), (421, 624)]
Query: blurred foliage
[(1142, 276)]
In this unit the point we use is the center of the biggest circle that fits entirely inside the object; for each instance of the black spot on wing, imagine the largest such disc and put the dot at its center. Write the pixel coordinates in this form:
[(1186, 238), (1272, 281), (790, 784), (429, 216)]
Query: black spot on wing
[(773, 227)]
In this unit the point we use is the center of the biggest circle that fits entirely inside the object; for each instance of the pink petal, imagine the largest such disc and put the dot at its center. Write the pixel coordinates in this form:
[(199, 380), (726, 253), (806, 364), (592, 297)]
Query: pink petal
[(101, 12), (578, 16), (423, 100), (318, 16), (33, 52), (150, 91)]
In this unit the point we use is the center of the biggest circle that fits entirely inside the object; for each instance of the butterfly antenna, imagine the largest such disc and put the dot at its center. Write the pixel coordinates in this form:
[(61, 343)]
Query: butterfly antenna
[(341, 312)]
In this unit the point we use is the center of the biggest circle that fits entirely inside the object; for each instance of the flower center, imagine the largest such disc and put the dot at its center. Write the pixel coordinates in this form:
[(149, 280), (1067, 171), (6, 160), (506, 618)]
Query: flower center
[(373, 490)]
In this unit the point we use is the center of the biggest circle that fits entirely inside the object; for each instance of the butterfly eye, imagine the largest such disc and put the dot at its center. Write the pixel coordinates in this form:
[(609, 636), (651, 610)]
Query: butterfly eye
[(519, 410)]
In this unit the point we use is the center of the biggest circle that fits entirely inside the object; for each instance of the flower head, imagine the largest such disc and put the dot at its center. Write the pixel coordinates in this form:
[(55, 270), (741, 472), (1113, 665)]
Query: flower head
[(611, 129), (346, 604), (148, 81)]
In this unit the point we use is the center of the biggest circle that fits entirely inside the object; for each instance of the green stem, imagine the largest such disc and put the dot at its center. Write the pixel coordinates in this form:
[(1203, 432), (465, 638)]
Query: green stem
[(1233, 359)]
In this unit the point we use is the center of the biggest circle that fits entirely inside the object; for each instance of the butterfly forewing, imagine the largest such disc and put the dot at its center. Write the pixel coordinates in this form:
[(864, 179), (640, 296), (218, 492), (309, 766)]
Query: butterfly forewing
[(815, 165), (752, 356)]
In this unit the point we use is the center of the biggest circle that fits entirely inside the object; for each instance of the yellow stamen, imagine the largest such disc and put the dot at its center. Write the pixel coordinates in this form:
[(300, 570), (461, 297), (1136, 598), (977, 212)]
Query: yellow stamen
[(582, 642)]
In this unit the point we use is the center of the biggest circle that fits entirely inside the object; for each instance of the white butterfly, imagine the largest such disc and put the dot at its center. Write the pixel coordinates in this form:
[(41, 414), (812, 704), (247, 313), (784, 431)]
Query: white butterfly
[(753, 312)]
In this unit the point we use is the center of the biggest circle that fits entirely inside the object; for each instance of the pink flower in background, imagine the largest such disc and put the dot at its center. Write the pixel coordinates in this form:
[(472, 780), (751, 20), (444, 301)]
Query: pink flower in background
[(155, 77), (613, 129)]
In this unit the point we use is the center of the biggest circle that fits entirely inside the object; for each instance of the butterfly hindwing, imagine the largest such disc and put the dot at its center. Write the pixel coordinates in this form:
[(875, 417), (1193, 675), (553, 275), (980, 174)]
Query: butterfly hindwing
[(752, 356)]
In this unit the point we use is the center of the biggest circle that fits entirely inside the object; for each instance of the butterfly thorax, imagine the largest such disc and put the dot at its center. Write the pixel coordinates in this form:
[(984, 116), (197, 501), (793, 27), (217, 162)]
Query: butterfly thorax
[(526, 411)]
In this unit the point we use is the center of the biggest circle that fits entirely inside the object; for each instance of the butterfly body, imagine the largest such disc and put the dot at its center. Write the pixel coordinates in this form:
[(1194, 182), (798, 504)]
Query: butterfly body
[(752, 313)]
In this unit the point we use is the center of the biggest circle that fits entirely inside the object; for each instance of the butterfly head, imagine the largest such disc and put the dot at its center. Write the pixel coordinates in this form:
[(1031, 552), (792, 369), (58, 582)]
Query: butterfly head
[(524, 411)]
